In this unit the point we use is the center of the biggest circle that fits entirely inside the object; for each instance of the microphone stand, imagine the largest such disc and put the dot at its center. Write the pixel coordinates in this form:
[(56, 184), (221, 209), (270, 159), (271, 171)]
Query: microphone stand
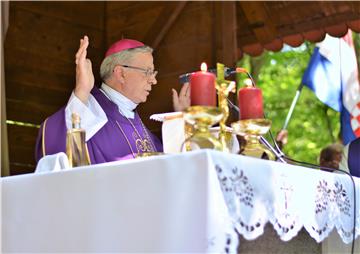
[(278, 155), (184, 78)]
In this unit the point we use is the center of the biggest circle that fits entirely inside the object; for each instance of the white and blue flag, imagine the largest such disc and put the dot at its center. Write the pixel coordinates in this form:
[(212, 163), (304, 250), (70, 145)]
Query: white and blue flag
[(333, 76)]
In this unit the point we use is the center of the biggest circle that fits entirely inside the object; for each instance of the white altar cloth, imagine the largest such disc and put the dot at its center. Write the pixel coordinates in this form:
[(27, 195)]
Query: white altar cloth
[(190, 202)]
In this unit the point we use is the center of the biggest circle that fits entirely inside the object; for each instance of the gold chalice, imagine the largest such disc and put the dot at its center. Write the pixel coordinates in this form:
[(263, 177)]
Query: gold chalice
[(252, 130), (202, 118)]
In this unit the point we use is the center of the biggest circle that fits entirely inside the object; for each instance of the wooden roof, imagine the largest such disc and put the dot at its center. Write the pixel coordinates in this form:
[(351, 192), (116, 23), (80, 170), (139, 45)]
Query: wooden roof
[(268, 25), (254, 26)]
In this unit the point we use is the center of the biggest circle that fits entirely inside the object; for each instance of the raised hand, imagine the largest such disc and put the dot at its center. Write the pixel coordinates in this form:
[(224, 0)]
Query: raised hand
[(181, 101), (84, 75)]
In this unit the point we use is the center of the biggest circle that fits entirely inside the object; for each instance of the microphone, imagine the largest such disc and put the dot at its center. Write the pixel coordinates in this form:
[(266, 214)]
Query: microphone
[(184, 78)]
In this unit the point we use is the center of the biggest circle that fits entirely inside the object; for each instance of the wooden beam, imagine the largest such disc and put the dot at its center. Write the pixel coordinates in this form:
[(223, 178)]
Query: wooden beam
[(225, 41), (22, 141), (229, 37), (259, 21), (226, 33), (163, 23)]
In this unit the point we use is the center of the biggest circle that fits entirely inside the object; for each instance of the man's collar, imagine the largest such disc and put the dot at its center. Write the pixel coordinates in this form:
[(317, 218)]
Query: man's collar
[(125, 105)]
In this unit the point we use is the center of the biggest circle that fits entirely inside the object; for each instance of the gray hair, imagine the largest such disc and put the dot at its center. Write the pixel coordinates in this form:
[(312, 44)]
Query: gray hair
[(122, 57)]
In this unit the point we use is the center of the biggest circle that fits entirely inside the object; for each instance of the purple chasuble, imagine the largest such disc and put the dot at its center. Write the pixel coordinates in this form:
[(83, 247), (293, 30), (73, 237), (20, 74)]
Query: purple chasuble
[(117, 138), (354, 157)]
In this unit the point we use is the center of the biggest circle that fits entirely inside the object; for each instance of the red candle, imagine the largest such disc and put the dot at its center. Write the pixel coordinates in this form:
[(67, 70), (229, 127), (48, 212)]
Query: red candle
[(250, 103), (202, 87)]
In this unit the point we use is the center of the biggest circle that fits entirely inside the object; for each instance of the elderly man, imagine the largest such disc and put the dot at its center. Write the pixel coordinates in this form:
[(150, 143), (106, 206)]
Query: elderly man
[(351, 158), (108, 115)]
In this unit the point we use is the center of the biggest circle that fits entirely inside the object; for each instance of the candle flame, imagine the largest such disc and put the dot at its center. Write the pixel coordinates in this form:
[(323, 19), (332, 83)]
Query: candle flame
[(248, 82), (203, 67)]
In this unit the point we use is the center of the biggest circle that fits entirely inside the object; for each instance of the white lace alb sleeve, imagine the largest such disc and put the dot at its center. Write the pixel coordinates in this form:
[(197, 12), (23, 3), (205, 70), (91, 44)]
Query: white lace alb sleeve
[(92, 116)]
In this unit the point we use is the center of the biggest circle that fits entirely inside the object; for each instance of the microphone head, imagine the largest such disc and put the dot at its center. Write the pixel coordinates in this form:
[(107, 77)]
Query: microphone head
[(184, 78)]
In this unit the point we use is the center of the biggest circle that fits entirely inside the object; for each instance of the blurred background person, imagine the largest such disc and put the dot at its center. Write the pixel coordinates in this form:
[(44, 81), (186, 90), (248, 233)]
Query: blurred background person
[(330, 156)]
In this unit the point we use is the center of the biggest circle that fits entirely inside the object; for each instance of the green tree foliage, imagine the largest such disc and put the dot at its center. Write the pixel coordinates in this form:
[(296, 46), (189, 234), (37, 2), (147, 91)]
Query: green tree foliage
[(313, 125), (356, 38)]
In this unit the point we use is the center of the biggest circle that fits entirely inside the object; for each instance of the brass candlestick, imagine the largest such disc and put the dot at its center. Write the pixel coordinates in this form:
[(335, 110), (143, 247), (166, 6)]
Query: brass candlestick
[(202, 118), (252, 130)]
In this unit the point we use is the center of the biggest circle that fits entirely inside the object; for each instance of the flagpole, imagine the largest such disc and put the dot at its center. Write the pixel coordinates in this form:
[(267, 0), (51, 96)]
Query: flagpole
[(291, 110)]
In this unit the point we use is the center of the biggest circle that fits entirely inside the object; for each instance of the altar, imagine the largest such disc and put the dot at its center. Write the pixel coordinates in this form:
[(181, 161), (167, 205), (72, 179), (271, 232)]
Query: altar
[(191, 202)]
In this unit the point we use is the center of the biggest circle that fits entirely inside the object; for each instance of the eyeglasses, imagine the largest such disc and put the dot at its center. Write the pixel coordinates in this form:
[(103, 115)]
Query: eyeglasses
[(148, 72)]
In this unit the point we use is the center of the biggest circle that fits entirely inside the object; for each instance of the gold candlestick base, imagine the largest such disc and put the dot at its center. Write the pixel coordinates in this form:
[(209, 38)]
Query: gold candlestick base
[(224, 136), (252, 129), (202, 118)]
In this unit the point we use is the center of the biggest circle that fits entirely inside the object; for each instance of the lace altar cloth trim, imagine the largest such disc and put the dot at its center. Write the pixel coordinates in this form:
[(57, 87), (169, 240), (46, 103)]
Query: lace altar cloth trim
[(290, 197)]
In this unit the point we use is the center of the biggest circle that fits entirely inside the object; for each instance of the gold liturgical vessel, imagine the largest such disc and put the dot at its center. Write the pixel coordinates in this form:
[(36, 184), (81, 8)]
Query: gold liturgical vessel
[(252, 130), (202, 118), (76, 150)]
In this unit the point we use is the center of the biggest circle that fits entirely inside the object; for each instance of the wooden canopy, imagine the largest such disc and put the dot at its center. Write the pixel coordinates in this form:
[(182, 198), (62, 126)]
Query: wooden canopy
[(43, 37), (268, 25)]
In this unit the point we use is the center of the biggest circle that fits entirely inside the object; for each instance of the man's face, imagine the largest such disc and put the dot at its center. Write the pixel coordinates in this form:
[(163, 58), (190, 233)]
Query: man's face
[(137, 84)]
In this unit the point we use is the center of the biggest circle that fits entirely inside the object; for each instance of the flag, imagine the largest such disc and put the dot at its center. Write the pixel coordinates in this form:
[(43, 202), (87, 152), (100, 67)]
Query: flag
[(332, 75)]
